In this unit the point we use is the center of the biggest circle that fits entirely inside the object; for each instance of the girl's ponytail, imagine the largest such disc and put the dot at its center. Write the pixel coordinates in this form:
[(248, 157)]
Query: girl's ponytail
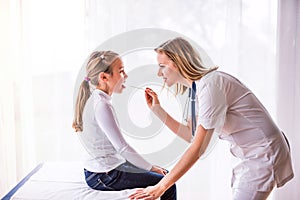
[(82, 97)]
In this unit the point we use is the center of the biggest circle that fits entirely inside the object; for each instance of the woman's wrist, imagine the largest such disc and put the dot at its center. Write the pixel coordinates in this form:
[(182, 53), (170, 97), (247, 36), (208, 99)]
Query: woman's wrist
[(156, 107), (158, 110), (161, 186)]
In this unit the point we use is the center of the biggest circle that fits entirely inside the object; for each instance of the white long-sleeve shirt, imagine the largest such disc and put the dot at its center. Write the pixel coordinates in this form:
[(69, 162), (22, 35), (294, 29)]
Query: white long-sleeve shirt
[(102, 139)]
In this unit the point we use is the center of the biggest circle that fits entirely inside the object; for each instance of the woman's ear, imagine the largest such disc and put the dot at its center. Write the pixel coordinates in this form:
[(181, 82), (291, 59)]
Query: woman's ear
[(174, 65)]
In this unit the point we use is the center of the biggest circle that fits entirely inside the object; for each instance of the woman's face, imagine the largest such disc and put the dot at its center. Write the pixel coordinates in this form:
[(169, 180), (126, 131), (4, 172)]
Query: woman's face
[(167, 69), (117, 78)]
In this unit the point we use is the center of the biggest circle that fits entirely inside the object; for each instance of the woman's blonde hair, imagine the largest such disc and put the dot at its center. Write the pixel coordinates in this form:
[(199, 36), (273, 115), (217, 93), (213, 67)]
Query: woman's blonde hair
[(99, 61), (186, 58)]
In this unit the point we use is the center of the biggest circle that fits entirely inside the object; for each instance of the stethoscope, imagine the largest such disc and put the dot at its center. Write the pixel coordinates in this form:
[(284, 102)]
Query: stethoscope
[(191, 98)]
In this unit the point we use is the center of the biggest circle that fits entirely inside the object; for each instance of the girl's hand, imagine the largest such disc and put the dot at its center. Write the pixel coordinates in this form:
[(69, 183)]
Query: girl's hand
[(159, 170), (149, 193), (151, 98)]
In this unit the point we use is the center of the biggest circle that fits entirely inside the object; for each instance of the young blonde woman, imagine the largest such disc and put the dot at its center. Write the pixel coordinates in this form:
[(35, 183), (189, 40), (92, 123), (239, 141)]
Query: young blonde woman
[(222, 103), (111, 163)]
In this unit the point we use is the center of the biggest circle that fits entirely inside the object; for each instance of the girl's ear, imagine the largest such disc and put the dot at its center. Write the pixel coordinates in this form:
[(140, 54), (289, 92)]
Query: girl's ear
[(103, 77)]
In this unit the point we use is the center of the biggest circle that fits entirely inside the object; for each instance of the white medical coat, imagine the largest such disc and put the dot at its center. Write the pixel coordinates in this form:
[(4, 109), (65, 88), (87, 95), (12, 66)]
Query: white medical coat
[(228, 106)]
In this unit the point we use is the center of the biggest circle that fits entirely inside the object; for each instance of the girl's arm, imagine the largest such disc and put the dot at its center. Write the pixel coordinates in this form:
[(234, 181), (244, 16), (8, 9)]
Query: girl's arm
[(183, 131), (192, 154), (106, 120)]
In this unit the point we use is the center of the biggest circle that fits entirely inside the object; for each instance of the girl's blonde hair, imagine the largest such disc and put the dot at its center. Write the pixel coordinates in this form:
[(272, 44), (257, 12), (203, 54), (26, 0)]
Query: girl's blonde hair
[(186, 58), (99, 61)]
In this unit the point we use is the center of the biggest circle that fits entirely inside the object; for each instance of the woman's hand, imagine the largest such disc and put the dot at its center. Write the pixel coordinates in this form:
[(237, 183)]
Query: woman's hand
[(149, 193), (159, 170), (151, 98)]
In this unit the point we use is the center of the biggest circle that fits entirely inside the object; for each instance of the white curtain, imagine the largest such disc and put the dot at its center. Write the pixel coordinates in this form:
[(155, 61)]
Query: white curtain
[(288, 86), (15, 107), (44, 45), (41, 53)]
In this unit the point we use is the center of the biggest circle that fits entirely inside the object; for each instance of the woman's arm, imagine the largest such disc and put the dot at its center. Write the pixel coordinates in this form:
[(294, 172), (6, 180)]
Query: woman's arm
[(193, 153), (183, 131)]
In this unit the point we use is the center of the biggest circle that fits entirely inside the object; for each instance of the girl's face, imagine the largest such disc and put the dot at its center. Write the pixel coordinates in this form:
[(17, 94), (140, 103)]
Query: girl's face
[(167, 69), (117, 78)]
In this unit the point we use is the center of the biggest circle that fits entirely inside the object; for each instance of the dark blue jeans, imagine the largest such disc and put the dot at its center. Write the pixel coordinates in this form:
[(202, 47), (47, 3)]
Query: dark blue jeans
[(126, 176)]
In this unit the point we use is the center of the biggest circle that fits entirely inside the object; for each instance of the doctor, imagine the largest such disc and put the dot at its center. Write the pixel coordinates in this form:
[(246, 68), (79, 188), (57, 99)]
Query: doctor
[(222, 103)]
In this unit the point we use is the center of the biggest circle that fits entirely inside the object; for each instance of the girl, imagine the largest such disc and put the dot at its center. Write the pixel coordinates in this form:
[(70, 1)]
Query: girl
[(221, 103), (111, 163)]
